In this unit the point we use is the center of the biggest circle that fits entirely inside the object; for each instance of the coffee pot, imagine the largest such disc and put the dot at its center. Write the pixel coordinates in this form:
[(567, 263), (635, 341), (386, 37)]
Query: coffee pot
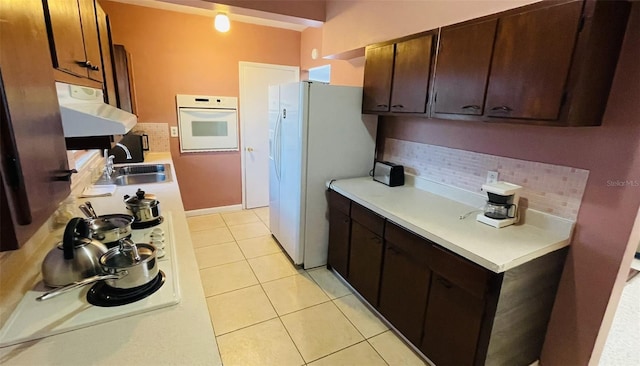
[(501, 208)]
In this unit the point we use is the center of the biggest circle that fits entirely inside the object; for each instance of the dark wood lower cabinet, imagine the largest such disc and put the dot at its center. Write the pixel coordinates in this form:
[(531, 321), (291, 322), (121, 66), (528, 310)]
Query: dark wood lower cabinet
[(405, 281), (452, 324), (403, 292), (339, 230), (365, 262), (454, 311)]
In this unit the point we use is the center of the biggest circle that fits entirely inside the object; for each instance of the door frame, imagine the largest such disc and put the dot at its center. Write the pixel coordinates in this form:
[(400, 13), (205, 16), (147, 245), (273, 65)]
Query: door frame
[(241, 109)]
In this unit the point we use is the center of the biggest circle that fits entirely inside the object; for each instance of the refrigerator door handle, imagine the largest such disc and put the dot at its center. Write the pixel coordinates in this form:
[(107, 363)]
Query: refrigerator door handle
[(277, 144)]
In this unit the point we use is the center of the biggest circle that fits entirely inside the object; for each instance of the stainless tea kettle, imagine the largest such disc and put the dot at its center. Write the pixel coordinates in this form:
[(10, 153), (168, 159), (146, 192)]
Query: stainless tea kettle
[(75, 258)]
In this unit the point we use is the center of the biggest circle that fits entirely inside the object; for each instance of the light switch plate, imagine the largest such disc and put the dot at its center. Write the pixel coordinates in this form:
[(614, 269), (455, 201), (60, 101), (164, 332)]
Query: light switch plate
[(174, 131)]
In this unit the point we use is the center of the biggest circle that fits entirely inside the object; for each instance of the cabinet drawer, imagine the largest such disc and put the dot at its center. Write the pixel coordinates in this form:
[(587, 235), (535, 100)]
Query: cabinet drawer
[(460, 271), (414, 246), (367, 218), (339, 202)]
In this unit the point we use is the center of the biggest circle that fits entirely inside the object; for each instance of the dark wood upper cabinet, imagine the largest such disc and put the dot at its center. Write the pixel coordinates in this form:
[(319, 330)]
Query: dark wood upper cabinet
[(33, 159), (397, 75), (464, 58), (378, 71), (547, 63), (104, 32), (122, 69), (73, 39), (532, 57), (411, 73)]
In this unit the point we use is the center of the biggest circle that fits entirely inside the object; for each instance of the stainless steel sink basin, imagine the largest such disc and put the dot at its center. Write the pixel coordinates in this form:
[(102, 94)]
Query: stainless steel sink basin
[(138, 174)]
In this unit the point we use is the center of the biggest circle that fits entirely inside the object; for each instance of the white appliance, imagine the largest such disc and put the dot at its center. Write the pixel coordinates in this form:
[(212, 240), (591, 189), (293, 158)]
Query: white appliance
[(84, 113), (501, 209), (207, 123), (316, 133), (38, 319)]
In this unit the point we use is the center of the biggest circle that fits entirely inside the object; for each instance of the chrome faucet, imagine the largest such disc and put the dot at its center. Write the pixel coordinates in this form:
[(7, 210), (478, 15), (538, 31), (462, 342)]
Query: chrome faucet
[(126, 150), (108, 164)]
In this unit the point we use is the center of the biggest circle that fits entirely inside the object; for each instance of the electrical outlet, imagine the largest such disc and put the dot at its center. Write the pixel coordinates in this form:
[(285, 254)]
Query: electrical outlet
[(492, 176), (174, 131)]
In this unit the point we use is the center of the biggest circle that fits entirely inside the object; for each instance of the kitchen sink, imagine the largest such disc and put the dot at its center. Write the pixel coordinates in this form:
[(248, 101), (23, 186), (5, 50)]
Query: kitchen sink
[(125, 175)]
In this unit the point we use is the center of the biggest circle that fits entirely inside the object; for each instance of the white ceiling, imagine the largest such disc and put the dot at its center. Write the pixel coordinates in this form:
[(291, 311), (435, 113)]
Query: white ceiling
[(209, 9)]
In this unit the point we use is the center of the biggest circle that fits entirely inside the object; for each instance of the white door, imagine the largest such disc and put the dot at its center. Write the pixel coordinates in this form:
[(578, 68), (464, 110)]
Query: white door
[(255, 79)]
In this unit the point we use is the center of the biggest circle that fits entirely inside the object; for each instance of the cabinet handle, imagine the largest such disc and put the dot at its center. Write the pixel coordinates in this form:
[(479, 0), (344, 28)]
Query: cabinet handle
[(346, 221), (65, 176), (382, 106), (502, 108), (392, 250), (397, 106), (473, 106), (88, 65), (444, 282)]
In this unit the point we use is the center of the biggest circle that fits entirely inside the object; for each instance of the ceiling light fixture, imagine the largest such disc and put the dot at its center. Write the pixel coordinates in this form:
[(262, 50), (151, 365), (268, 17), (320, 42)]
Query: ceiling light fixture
[(222, 23)]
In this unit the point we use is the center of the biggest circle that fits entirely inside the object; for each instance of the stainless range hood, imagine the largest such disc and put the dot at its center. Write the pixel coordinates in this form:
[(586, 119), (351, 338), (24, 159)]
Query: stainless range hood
[(84, 113)]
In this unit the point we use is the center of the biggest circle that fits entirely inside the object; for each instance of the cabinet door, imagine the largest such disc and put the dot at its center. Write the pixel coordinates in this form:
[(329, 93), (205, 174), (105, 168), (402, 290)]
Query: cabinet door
[(405, 280), (365, 261), (122, 77), (452, 324), (104, 33), (462, 69), (378, 70), (532, 56), (63, 17), (403, 292), (91, 42), (339, 233), (411, 75), (33, 158)]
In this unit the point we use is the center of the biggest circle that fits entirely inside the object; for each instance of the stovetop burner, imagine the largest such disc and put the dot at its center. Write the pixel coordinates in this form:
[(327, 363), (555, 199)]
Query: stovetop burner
[(104, 295), (147, 224)]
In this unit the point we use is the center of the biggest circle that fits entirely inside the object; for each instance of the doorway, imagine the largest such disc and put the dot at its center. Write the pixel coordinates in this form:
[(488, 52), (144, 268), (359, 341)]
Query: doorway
[(255, 79)]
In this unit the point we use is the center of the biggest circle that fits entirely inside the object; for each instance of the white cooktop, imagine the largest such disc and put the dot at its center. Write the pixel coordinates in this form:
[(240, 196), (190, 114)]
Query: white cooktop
[(38, 319)]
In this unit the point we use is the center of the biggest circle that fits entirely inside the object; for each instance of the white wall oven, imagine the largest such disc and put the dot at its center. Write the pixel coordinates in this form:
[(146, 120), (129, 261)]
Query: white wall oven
[(207, 123)]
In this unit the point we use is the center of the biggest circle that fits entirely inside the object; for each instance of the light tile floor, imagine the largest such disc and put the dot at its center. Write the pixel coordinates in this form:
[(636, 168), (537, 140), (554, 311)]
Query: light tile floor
[(265, 311)]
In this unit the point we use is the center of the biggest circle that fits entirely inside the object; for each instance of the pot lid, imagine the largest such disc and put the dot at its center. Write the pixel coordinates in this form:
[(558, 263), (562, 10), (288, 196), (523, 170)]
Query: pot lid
[(127, 255), (141, 199), (109, 222)]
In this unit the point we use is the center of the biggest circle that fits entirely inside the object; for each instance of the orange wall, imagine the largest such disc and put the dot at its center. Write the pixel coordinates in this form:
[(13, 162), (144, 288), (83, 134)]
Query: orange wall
[(343, 72), (175, 53)]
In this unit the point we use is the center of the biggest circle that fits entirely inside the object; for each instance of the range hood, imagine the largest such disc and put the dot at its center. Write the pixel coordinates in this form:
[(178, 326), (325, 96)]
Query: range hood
[(84, 113)]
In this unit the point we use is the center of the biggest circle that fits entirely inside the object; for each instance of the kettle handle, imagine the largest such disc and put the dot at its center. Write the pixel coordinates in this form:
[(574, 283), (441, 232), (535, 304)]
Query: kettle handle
[(76, 227)]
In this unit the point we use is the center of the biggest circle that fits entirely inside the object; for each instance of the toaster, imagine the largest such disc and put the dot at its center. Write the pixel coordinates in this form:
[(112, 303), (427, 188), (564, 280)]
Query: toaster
[(388, 173)]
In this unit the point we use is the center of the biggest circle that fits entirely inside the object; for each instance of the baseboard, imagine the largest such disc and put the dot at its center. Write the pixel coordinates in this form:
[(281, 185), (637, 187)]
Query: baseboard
[(212, 210)]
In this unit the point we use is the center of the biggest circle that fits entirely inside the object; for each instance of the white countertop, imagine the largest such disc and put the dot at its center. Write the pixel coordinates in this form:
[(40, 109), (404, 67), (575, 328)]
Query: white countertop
[(437, 218), (181, 334)]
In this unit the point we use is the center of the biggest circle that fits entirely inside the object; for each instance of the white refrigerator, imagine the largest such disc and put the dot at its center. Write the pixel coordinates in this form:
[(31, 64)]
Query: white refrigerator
[(316, 133)]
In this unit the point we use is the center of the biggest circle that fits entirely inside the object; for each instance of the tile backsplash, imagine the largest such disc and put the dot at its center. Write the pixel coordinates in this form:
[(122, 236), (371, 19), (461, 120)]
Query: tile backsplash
[(158, 135), (553, 189)]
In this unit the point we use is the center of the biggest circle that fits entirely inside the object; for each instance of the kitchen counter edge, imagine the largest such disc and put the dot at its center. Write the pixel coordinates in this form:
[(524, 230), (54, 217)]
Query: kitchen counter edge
[(447, 232)]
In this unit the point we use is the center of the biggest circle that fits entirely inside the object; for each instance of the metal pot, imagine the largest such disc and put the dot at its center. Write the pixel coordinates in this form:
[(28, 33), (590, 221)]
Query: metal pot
[(75, 258), (127, 266), (138, 260), (143, 207), (110, 228)]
